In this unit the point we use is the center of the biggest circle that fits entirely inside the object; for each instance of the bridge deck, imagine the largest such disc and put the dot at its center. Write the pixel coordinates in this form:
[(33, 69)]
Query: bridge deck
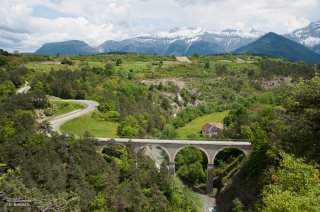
[(185, 142)]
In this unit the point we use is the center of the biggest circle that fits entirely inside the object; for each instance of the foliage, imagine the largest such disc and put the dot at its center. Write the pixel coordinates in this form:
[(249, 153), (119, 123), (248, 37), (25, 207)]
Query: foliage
[(106, 116), (169, 132), (12, 185), (128, 127), (303, 109), (66, 61), (57, 108), (295, 187), (182, 199), (293, 128), (191, 165), (237, 206)]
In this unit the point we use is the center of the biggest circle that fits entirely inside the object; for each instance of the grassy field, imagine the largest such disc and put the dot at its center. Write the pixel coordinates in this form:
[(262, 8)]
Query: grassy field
[(96, 128), (195, 126), (126, 65), (46, 68)]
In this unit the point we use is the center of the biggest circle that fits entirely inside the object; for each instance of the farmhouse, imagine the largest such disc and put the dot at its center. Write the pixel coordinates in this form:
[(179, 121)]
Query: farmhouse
[(210, 129)]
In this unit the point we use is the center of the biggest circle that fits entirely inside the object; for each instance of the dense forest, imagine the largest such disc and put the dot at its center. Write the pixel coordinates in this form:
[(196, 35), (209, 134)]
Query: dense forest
[(271, 102)]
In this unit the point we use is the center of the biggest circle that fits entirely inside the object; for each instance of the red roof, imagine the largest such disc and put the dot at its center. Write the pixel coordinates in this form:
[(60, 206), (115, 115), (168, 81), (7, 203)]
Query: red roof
[(210, 127), (206, 127)]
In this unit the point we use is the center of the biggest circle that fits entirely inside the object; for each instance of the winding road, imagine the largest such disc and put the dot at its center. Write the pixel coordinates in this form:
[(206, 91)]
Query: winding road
[(59, 120), (56, 122)]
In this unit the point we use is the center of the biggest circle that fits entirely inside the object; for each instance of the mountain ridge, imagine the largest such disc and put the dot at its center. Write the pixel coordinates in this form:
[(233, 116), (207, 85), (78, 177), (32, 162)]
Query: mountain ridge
[(66, 47), (275, 45)]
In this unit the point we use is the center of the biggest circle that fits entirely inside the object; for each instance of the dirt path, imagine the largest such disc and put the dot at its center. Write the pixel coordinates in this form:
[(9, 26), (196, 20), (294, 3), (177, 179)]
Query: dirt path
[(24, 89)]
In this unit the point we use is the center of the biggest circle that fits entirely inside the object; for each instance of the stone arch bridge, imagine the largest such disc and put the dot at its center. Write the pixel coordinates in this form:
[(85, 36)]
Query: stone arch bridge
[(172, 147)]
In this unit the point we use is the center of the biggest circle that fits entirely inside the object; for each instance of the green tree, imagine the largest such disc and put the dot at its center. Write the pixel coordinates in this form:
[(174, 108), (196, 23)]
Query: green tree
[(237, 206), (24, 122), (181, 198), (128, 127), (99, 203), (66, 61), (303, 118), (7, 88), (169, 132), (190, 165), (129, 131), (207, 65), (295, 187), (118, 62)]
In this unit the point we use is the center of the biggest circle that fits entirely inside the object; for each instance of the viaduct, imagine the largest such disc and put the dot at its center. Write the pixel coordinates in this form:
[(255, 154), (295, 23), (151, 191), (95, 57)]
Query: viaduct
[(172, 147)]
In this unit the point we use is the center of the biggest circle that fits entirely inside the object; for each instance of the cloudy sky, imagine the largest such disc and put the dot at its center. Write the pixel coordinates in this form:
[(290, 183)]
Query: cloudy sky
[(26, 24)]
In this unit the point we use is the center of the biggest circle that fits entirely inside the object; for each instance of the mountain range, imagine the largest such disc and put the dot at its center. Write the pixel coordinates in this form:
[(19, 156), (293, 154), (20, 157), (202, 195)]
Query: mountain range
[(190, 40), (178, 41)]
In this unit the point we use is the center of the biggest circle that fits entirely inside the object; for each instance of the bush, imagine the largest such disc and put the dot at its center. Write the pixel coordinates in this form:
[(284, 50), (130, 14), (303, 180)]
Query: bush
[(66, 61), (107, 116), (169, 132), (295, 187)]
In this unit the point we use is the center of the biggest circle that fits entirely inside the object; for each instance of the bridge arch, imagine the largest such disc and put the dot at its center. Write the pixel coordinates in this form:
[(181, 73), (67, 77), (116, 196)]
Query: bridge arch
[(244, 151), (157, 145), (195, 146), (110, 144), (195, 154)]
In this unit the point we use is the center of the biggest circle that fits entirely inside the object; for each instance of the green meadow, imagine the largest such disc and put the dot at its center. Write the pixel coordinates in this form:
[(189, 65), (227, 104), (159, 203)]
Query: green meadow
[(195, 126), (80, 125)]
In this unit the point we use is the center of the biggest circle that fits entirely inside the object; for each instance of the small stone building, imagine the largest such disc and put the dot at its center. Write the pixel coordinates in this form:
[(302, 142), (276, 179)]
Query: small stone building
[(210, 129)]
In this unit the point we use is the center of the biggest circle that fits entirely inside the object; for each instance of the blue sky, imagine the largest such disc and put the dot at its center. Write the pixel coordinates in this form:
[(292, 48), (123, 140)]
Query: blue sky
[(42, 11), (27, 24)]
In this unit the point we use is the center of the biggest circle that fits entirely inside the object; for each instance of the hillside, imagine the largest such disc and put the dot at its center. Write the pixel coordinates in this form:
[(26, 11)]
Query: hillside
[(275, 45)]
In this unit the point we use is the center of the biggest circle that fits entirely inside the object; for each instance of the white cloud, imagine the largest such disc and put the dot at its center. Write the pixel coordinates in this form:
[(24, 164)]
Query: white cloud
[(26, 33), (14, 17), (98, 20)]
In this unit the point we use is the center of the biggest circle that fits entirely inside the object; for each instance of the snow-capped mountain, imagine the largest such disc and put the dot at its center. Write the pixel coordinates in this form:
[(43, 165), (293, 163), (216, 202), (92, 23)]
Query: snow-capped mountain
[(231, 39), (186, 33), (308, 36), (184, 41)]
